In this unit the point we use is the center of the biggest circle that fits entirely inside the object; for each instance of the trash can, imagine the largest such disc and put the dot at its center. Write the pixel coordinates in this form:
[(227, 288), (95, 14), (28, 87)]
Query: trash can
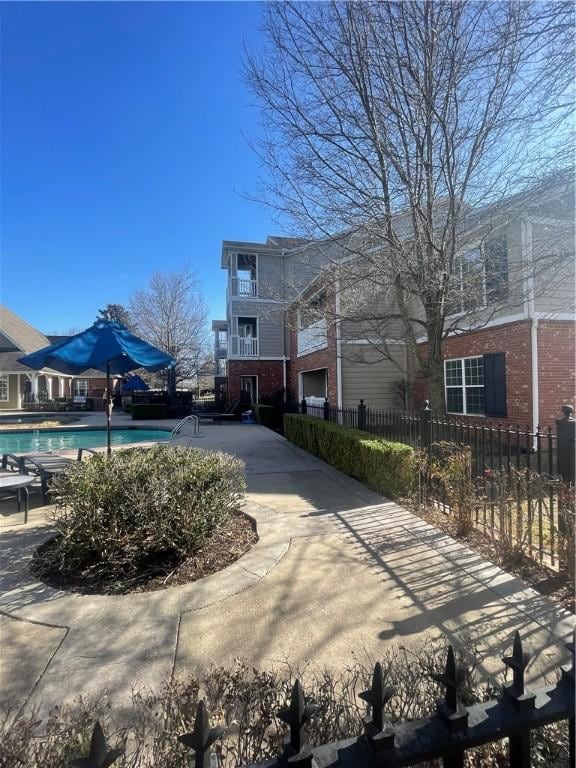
[(247, 418)]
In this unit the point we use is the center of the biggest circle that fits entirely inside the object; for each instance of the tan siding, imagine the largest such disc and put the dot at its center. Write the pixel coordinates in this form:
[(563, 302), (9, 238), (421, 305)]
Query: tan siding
[(374, 381), (12, 403), (271, 336)]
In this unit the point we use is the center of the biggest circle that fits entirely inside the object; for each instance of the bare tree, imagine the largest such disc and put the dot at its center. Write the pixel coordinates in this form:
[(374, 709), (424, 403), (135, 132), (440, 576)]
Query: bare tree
[(391, 123), (172, 314)]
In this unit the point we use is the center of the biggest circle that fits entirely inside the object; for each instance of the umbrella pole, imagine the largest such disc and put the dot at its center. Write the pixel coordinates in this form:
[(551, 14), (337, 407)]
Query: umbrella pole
[(108, 409)]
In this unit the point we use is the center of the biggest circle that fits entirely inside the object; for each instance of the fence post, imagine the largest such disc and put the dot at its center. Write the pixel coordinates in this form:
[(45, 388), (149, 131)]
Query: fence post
[(565, 439), (303, 405), (565, 436), (361, 415), (326, 410), (426, 426)]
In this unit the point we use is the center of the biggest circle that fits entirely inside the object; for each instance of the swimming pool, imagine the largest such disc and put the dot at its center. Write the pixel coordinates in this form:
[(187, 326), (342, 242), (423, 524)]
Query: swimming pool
[(59, 440)]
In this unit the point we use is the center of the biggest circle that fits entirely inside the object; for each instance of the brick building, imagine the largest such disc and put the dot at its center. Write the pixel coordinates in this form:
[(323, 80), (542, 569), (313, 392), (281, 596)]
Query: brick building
[(509, 354)]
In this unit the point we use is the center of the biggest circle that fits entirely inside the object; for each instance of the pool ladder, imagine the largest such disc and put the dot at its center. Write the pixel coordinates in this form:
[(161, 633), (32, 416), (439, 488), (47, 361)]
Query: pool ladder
[(196, 426)]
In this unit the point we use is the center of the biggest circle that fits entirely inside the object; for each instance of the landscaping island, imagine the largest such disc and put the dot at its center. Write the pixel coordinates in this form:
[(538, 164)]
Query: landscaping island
[(145, 519)]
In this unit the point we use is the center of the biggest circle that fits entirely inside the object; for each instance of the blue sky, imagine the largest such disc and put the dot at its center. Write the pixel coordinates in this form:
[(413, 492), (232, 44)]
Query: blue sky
[(122, 151)]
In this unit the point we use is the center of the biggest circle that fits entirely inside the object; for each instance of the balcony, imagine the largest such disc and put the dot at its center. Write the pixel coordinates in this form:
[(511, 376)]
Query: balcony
[(243, 289), (313, 337), (247, 347), (244, 346)]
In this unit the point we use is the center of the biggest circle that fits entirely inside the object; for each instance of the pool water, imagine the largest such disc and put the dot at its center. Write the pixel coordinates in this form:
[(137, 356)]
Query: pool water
[(59, 440)]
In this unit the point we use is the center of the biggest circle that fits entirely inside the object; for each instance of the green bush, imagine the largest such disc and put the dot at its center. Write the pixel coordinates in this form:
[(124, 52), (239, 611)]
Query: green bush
[(268, 415), (149, 411), (389, 468), (123, 514)]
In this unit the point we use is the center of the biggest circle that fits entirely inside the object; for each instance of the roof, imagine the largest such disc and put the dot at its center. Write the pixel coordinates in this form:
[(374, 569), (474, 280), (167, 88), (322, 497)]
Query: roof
[(19, 338), (285, 242), (23, 336)]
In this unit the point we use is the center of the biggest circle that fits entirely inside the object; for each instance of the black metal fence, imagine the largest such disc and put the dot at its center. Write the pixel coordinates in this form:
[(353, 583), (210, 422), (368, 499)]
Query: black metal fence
[(517, 478), (446, 735)]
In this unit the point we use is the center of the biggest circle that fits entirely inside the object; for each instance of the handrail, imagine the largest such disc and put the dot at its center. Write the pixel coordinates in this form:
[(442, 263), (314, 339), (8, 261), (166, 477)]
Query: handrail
[(192, 417)]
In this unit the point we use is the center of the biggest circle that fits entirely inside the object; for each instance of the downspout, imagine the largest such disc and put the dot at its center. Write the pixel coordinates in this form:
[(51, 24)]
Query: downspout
[(530, 310), (338, 346)]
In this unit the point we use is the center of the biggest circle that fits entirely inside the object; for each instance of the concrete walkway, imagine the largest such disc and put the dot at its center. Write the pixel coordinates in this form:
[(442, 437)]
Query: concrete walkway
[(338, 571)]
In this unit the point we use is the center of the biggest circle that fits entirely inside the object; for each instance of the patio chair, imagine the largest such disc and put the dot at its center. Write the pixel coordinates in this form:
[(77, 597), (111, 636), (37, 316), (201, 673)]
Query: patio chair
[(44, 465)]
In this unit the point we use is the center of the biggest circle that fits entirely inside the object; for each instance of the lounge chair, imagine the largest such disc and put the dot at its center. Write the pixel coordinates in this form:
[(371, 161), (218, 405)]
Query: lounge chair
[(44, 465)]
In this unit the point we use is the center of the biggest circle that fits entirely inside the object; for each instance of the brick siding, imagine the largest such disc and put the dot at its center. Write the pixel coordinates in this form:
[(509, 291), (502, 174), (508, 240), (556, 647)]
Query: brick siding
[(556, 368), (269, 372), (556, 364), (322, 358)]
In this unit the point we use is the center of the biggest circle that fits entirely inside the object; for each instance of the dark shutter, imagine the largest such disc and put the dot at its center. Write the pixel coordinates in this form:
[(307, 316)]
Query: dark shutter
[(495, 384)]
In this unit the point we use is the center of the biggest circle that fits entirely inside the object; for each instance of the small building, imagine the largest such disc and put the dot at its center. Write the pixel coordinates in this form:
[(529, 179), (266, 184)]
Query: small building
[(18, 383)]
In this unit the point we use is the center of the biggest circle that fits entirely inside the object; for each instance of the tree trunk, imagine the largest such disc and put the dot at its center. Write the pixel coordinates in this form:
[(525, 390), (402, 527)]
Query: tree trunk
[(435, 328)]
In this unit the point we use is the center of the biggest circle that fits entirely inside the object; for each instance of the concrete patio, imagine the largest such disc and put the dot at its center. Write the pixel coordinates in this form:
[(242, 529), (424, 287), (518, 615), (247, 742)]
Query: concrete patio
[(338, 571)]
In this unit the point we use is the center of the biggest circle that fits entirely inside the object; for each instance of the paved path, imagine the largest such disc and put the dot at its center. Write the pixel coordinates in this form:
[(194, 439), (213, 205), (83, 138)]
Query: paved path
[(338, 571)]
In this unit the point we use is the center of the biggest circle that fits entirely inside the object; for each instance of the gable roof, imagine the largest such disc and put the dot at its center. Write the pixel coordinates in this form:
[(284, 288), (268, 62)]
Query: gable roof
[(24, 337), (18, 338)]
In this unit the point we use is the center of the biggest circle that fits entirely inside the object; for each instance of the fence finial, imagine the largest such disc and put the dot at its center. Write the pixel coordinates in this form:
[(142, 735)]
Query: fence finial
[(202, 737), (451, 710), (100, 756), (378, 731), (516, 692), (296, 715)]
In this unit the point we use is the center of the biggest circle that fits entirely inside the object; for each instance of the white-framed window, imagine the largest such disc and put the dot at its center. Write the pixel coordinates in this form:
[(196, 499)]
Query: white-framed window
[(464, 385), (480, 276), (80, 387), (4, 388)]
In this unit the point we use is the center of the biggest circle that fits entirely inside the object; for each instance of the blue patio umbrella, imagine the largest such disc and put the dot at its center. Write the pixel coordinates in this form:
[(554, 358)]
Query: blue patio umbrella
[(107, 346), (133, 384)]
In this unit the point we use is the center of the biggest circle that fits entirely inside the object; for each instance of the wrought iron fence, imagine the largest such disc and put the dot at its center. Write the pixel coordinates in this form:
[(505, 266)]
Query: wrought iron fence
[(447, 734), (516, 476)]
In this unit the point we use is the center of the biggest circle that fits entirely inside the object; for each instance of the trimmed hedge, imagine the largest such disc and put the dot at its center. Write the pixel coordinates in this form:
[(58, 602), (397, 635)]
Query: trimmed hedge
[(268, 416), (389, 468), (149, 411)]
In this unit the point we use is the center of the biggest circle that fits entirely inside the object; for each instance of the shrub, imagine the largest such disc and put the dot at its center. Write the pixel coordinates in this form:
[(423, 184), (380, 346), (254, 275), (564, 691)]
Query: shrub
[(121, 514), (149, 411), (386, 467), (268, 416)]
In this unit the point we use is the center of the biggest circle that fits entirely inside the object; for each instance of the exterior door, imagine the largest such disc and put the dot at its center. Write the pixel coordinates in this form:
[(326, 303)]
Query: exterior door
[(249, 388)]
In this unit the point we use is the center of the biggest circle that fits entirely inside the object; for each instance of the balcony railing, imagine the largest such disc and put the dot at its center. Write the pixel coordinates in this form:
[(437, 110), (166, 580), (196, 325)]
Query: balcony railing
[(313, 337), (247, 347), (245, 289)]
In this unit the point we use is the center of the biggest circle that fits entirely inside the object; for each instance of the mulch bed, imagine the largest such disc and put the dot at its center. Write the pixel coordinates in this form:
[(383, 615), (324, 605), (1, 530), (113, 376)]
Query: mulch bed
[(558, 587), (222, 548)]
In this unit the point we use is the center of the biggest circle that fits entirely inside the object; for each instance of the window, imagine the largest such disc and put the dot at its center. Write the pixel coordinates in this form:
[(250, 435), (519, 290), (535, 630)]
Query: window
[(465, 385), (476, 386), (480, 277), (4, 389), (80, 387)]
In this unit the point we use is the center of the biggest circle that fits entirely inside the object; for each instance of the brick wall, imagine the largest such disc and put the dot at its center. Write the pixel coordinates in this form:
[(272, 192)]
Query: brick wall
[(269, 372), (556, 368), (323, 358)]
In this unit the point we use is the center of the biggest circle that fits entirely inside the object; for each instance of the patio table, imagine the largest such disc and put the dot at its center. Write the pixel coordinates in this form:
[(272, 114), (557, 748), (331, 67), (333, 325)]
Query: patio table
[(20, 483)]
